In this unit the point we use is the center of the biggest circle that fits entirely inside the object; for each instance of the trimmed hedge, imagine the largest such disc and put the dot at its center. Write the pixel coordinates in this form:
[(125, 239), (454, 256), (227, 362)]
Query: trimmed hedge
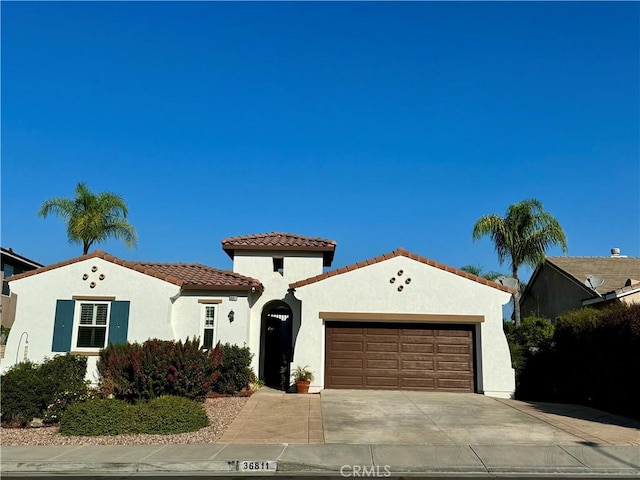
[(158, 367), (30, 390), (594, 360), (162, 415), (235, 369)]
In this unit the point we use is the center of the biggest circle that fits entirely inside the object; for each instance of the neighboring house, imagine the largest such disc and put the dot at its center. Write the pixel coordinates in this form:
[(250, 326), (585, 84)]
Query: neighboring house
[(12, 264), (567, 283), (397, 321)]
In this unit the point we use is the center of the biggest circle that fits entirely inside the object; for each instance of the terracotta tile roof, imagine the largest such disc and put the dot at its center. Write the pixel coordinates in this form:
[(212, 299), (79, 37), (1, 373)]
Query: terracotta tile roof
[(200, 277), (187, 276), (280, 241), (615, 271), (404, 253)]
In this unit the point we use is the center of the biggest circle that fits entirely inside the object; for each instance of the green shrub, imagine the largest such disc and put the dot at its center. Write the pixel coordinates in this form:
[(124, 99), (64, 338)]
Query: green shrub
[(593, 360), (23, 394), (44, 390), (98, 417), (533, 335), (169, 414), (235, 369), (162, 415), (158, 367)]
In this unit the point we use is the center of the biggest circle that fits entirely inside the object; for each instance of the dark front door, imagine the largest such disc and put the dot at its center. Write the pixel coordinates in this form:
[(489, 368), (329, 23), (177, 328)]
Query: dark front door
[(277, 348), (272, 354)]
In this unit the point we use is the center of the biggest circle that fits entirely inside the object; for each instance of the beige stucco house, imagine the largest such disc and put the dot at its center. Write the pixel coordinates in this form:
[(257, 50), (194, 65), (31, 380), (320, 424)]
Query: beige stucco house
[(397, 321), (567, 283)]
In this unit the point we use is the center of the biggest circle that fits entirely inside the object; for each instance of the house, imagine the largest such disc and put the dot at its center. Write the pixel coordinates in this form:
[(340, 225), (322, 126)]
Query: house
[(396, 321), (567, 283), (12, 264)]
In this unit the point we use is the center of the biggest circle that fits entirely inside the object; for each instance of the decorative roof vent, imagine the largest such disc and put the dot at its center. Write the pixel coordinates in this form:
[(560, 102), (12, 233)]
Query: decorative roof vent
[(615, 253)]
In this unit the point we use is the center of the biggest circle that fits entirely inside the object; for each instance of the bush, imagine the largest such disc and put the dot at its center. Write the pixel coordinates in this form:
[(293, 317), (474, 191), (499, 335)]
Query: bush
[(98, 417), (158, 367), (533, 335), (593, 360), (235, 369), (163, 415), (23, 394), (169, 414), (31, 390)]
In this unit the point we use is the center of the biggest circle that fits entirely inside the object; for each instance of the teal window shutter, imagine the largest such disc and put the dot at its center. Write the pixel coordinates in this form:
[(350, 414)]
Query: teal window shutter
[(119, 322), (63, 326)]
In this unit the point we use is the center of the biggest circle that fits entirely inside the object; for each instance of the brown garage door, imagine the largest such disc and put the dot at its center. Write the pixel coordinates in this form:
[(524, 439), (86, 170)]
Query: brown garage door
[(399, 356)]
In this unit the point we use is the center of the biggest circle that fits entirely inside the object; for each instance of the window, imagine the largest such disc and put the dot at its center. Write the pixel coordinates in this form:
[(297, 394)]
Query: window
[(278, 265), (91, 331), (89, 324), (7, 271), (209, 325)]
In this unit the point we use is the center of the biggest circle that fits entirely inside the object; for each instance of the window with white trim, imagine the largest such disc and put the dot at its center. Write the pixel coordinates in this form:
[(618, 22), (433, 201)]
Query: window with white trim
[(91, 324), (209, 323)]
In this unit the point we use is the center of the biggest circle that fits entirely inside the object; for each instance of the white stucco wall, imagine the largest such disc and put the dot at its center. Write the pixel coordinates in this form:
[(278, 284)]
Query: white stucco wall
[(431, 291), (149, 315), (259, 264), (187, 316)]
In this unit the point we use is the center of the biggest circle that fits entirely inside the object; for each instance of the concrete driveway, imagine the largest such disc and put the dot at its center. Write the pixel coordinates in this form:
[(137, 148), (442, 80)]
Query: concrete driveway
[(433, 418)]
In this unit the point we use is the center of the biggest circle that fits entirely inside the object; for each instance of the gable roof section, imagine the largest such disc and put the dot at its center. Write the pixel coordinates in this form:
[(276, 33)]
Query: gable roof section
[(281, 241), (187, 276), (401, 252), (8, 252), (614, 271)]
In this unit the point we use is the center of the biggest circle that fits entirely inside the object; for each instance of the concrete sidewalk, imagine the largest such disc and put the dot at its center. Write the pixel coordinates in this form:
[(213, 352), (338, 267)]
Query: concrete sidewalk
[(324, 460)]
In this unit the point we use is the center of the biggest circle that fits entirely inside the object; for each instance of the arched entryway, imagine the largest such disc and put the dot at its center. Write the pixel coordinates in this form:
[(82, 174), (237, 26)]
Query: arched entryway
[(276, 340)]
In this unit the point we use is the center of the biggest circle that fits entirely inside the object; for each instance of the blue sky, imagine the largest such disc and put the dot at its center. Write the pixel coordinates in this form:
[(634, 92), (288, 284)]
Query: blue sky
[(377, 125)]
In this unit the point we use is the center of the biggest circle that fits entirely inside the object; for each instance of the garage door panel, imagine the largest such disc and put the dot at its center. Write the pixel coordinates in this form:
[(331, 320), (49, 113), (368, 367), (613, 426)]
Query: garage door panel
[(382, 347), (415, 333), (418, 383), (453, 349), (451, 332), (417, 348), (454, 385), (348, 346), (420, 366), (335, 363), (346, 381), (393, 356), (382, 381), (387, 364), (371, 337), (454, 366)]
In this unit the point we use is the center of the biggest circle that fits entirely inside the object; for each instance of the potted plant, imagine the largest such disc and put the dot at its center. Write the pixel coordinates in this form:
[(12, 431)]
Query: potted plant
[(302, 376)]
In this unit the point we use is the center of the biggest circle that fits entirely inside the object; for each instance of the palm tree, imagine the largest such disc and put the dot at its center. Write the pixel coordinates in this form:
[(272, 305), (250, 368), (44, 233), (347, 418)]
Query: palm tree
[(479, 272), (92, 218), (523, 236)]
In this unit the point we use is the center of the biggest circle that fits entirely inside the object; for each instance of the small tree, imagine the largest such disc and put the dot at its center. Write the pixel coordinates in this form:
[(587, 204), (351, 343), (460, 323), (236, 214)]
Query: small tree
[(523, 236), (92, 218)]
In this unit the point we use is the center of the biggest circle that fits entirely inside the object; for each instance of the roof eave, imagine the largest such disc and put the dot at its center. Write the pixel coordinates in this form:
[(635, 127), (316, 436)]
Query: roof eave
[(219, 288), (404, 253)]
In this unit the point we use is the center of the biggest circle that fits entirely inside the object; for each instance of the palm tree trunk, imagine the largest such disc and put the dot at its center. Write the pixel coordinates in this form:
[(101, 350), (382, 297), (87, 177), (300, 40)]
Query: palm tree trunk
[(516, 300)]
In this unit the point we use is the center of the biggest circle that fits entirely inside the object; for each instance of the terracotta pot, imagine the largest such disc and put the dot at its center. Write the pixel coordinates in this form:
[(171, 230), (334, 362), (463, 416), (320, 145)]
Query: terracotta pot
[(302, 386)]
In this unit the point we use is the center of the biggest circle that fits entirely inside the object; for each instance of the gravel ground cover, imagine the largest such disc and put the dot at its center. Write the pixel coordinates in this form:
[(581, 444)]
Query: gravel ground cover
[(221, 412)]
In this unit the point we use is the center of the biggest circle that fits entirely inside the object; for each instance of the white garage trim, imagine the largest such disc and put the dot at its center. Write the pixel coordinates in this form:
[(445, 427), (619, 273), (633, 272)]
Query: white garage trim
[(400, 317)]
